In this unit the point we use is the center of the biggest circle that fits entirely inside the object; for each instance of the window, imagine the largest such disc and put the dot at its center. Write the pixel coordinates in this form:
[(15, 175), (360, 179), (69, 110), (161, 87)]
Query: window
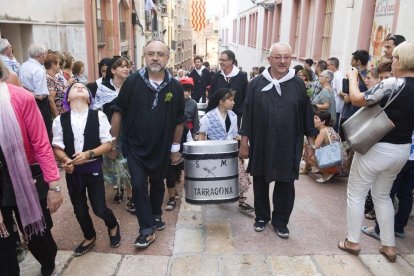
[(276, 26), (327, 30), (265, 29), (242, 31), (234, 30), (122, 24), (227, 36), (100, 24), (295, 27), (227, 7), (252, 30)]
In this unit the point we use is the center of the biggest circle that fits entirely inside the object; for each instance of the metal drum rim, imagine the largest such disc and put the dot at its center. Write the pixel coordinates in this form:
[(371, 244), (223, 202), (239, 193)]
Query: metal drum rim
[(201, 147)]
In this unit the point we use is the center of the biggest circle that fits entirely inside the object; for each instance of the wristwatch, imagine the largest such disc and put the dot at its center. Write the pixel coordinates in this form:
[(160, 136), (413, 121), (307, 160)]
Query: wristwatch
[(56, 189), (91, 154)]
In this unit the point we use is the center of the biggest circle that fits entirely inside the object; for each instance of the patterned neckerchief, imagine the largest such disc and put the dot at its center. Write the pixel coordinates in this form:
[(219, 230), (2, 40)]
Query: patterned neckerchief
[(165, 82)]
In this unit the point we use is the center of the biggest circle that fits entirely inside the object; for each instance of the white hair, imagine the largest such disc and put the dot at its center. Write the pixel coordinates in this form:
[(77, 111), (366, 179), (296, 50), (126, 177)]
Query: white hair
[(36, 50), (280, 43), (4, 43)]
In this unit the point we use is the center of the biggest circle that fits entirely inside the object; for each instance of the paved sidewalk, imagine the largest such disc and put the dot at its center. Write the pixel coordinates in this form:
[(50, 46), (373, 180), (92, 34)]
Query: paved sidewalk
[(219, 240)]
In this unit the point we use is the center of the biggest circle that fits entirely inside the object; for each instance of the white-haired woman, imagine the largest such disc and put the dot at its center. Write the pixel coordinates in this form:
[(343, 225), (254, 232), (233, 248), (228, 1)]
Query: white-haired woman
[(324, 100), (378, 168)]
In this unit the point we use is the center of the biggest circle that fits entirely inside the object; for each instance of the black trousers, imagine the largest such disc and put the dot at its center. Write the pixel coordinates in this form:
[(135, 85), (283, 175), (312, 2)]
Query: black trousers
[(43, 247), (174, 174), (147, 205), (283, 201), (44, 108), (94, 185)]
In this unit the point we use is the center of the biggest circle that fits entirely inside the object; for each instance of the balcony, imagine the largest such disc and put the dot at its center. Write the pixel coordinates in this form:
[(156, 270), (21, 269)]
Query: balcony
[(164, 11)]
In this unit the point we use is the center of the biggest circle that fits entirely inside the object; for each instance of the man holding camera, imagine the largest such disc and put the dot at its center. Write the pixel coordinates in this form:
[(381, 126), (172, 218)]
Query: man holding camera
[(360, 61)]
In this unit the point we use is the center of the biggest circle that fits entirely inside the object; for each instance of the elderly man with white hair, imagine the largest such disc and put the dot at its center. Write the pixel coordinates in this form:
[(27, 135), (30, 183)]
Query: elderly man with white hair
[(33, 78), (277, 99), (6, 55)]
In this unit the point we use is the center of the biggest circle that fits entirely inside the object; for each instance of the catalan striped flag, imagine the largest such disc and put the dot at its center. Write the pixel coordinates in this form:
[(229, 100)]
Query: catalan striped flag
[(198, 14)]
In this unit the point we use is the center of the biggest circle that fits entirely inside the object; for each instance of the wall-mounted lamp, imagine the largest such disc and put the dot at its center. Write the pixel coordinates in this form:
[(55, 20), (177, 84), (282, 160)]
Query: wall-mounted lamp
[(266, 6)]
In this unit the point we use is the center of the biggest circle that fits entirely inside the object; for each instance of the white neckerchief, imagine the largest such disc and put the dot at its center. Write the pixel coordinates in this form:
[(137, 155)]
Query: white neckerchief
[(275, 82), (155, 84), (200, 71), (233, 73)]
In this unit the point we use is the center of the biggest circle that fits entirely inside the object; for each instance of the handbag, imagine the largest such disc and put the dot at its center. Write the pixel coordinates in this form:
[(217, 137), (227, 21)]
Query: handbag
[(369, 124), (329, 155)]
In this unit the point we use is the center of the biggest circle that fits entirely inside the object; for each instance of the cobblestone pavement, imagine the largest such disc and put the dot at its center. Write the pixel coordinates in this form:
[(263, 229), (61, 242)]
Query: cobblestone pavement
[(219, 240)]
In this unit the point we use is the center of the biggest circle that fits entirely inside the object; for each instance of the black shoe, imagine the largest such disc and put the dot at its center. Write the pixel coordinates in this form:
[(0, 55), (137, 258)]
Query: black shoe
[(47, 270), (143, 241), (20, 252), (130, 207), (119, 196), (83, 249), (115, 240), (245, 207), (282, 231), (170, 204), (159, 224), (260, 225)]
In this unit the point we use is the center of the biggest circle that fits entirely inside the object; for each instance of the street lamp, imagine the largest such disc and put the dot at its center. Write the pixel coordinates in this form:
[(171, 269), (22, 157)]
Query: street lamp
[(266, 6)]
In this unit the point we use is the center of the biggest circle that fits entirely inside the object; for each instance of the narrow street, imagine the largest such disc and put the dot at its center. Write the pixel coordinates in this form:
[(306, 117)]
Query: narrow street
[(205, 240)]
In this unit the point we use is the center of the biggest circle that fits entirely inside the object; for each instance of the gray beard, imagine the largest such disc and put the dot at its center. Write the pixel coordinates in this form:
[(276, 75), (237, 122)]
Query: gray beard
[(156, 69)]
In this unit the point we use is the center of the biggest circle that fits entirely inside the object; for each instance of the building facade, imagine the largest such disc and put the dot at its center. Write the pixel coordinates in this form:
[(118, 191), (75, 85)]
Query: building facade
[(179, 34), (60, 25), (316, 29)]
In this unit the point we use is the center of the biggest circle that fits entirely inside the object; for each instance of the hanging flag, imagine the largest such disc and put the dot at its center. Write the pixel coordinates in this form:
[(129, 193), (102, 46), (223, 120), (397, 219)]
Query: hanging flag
[(198, 14)]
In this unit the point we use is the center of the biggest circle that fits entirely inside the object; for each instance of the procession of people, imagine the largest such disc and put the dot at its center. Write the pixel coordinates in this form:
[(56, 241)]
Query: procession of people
[(128, 129)]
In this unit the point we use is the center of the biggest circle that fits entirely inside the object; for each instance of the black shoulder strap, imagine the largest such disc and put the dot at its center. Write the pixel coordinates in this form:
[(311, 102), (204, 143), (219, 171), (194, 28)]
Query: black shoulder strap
[(68, 139), (91, 132)]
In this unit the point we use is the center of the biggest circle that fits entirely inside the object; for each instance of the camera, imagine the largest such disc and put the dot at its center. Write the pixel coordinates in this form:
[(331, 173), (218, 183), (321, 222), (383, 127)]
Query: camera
[(345, 86)]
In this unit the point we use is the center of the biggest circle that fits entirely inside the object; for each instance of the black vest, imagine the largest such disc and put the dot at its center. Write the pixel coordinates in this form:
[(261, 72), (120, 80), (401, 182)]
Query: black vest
[(91, 132)]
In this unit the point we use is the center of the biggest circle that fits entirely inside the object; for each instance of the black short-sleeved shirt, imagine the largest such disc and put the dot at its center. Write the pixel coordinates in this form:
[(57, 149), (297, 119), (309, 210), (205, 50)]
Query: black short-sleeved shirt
[(147, 132), (400, 111)]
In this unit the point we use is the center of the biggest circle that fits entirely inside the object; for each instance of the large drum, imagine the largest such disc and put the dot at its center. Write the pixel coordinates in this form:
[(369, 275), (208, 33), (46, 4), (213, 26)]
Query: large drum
[(211, 172)]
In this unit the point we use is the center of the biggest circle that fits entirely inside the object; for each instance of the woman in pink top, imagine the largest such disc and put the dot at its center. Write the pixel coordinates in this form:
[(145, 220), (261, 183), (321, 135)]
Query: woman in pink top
[(26, 160)]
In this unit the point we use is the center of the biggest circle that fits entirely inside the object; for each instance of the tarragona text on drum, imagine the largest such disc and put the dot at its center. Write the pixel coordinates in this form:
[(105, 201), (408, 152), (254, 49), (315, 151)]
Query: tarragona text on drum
[(213, 191)]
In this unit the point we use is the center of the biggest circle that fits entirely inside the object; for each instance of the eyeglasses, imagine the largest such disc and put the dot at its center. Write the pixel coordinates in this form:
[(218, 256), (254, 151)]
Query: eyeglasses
[(158, 54), (223, 60), (279, 58), (392, 37)]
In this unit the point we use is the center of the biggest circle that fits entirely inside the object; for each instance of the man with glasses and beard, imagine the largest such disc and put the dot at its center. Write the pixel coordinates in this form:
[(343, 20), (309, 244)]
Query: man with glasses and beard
[(277, 114), (150, 107)]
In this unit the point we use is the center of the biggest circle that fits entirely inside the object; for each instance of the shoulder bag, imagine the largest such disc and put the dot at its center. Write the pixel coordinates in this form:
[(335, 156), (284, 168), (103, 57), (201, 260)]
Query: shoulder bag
[(369, 124), (329, 155)]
